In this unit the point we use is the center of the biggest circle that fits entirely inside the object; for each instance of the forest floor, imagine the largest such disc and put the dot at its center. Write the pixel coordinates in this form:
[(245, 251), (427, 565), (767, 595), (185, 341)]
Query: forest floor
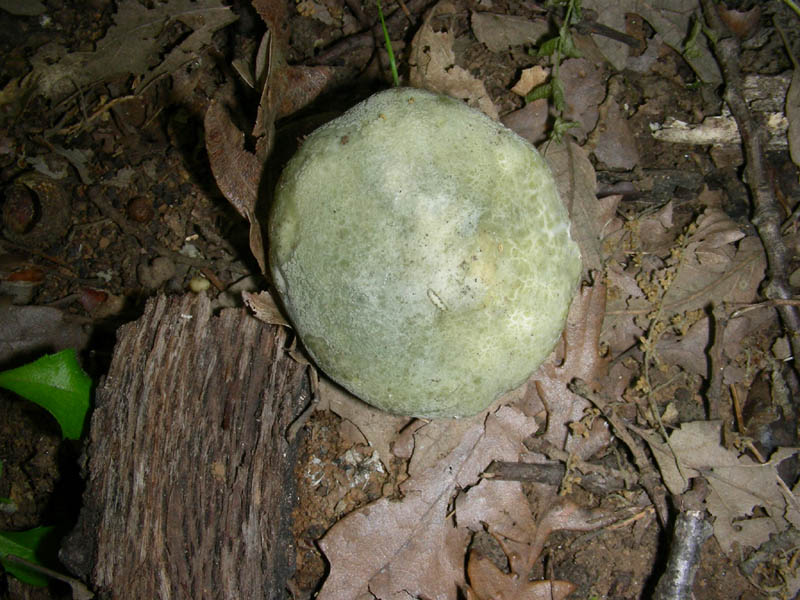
[(109, 199)]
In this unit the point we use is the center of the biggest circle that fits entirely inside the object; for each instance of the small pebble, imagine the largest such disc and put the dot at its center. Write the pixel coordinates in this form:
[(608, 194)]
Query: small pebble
[(140, 209), (199, 284)]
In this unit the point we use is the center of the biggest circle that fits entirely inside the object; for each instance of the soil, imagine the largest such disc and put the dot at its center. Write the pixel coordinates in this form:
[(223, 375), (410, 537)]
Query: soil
[(146, 217)]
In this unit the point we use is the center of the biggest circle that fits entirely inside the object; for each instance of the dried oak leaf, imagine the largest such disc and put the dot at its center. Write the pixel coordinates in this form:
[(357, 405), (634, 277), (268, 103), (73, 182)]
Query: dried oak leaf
[(583, 92), (502, 508), (236, 171), (284, 89), (136, 44), (615, 144), (433, 64), (577, 181), (530, 121), (583, 360), (410, 547), (487, 582), (738, 483)]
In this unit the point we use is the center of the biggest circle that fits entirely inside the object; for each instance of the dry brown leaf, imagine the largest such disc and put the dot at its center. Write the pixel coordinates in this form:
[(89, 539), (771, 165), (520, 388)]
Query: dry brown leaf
[(670, 19), (577, 182), (690, 351), (712, 269), (615, 144), (529, 79), (501, 32), (487, 582), (304, 85), (738, 483), (530, 121), (655, 231), (717, 264), (433, 65), (285, 89), (503, 509), (583, 92), (410, 546), (264, 308), (583, 360), (237, 172), (134, 44)]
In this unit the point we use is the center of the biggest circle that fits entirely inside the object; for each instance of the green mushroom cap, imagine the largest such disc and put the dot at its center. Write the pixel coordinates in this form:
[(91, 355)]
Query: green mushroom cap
[(422, 253)]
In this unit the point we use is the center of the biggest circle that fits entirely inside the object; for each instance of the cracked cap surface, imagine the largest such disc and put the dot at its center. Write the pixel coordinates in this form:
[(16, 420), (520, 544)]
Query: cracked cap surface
[(422, 253)]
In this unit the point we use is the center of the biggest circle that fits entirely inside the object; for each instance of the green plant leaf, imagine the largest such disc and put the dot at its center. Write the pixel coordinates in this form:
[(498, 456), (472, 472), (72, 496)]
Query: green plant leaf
[(57, 383), (549, 47), (568, 47), (28, 545), (560, 127), (543, 90)]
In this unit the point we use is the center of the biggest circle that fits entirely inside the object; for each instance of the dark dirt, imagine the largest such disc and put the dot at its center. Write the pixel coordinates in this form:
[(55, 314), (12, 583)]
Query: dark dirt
[(151, 220)]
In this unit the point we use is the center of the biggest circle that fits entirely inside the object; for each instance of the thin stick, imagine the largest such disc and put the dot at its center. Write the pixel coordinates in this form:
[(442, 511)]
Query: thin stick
[(767, 213)]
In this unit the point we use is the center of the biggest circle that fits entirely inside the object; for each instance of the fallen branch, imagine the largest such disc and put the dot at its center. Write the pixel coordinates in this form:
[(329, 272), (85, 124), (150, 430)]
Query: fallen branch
[(552, 474), (691, 530), (766, 212)]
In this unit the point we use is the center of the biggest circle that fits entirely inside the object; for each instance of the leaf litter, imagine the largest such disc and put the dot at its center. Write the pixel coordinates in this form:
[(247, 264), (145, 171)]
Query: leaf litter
[(653, 276)]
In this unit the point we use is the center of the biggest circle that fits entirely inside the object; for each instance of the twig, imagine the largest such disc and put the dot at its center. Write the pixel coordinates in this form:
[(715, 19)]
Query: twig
[(691, 530), (766, 304), (650, 479), (715, 362), (555, 453), (766, 213), (104, 108), (595, 482)]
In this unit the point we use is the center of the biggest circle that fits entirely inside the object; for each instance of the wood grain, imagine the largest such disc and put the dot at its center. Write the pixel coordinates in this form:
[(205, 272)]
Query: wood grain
[(190, 474)]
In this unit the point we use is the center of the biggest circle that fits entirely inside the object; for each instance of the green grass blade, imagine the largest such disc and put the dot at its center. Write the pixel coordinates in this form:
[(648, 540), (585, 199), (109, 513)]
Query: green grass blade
[(57, 383), (392, 62), (27, 545)]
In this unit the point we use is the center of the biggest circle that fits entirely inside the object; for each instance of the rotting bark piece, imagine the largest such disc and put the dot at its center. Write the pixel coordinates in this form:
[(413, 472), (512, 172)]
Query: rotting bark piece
[(190, 473)]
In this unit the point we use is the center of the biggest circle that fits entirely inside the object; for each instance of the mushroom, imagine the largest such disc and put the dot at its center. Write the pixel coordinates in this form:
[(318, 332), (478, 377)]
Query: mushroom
[(422, 254)]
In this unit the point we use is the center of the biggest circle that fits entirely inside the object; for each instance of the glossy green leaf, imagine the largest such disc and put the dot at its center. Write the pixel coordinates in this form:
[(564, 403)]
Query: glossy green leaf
[(57, 383), (28, 545)]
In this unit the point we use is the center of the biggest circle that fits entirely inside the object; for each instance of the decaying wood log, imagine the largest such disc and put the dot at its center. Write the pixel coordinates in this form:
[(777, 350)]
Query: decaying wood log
[(189, 488)]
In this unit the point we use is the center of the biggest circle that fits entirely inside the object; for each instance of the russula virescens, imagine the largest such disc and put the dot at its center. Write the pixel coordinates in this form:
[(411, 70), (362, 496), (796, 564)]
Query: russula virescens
[(422, 254)]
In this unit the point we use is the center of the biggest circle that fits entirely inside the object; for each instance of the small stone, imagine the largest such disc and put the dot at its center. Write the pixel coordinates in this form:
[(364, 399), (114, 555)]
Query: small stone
[(140, 209), (199, 284)]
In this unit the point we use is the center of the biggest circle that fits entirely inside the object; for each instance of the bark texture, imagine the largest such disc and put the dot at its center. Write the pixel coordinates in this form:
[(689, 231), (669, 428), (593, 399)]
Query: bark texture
[(189, 489)]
